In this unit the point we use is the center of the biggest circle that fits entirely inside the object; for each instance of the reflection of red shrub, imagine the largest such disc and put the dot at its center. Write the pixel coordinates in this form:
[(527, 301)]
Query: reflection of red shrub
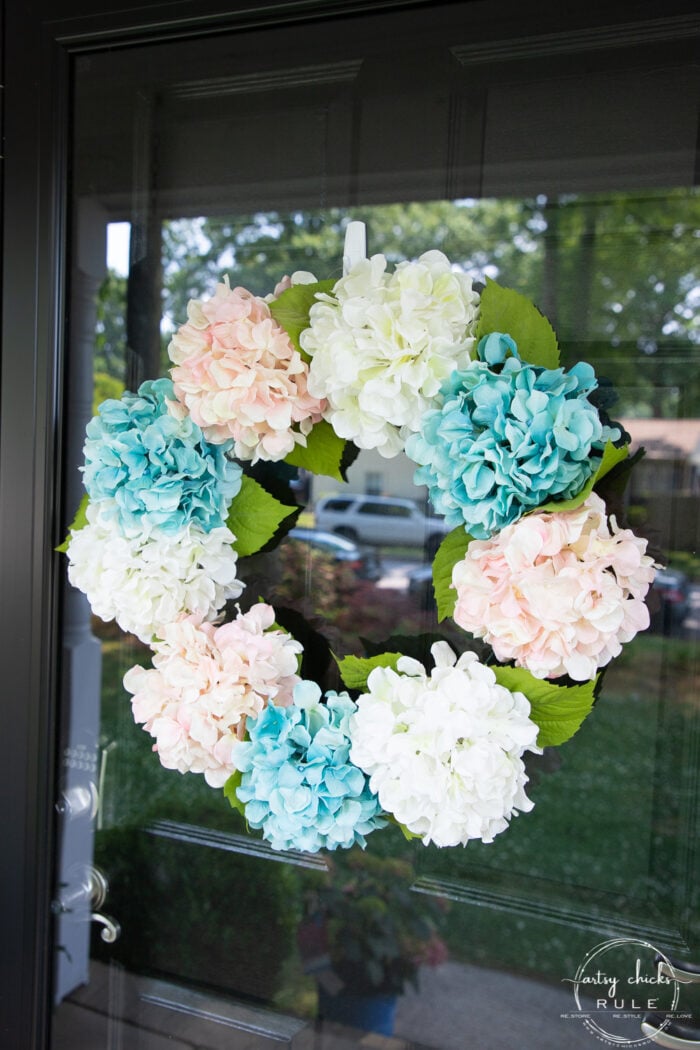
[(377, 613), (433, 952), (339, 604)]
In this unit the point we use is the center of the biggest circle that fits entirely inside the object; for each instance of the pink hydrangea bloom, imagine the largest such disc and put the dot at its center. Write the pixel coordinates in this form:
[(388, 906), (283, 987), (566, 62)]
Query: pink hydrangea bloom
[(238, 375), (558, 593), (205, 680)]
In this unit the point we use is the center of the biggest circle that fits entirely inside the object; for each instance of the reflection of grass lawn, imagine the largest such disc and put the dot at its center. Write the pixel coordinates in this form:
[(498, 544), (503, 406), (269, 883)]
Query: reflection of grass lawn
[(608, 830), (608, 823), (137, 787)]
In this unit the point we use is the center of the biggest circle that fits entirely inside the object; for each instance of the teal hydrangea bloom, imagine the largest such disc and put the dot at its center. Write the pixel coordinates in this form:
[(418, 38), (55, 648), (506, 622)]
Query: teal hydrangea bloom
[(159, 471), (298, 783), (507, 437)]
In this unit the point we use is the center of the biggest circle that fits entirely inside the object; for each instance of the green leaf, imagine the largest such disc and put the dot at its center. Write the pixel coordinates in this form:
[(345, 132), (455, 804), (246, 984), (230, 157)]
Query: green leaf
[(255, 516), (230, 788), (355, 670), (408, 835), (616, 481), (611, 457), (451, 550), (505, 310), (324, 452), (291, 309), (558, 710), (79, 522)]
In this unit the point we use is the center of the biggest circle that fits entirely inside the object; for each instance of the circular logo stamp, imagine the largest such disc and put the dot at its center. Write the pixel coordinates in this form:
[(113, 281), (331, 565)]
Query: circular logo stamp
[(617, 984)]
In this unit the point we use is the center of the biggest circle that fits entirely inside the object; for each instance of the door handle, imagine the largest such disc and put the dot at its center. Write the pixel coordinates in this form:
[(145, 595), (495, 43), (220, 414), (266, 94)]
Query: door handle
[(91, 889), (670, 1034), (683, 972), (673, 1034), (110, 927)]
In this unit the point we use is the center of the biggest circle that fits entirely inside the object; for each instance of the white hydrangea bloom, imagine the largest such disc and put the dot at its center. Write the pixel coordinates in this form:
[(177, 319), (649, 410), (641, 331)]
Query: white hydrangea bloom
[(147, 581), (444, 750), (382, 344)]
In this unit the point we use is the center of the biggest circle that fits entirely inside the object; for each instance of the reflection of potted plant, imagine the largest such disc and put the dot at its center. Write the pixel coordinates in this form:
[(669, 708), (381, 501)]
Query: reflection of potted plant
[(366, 936)]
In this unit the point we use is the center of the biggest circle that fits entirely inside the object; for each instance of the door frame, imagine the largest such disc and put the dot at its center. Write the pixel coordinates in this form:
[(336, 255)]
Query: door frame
[(40, 41)]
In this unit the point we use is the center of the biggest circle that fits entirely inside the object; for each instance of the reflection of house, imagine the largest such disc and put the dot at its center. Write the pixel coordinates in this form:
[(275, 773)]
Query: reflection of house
[(664, 493), (671, 464), (664, 487), (672, 460), (375, 476)]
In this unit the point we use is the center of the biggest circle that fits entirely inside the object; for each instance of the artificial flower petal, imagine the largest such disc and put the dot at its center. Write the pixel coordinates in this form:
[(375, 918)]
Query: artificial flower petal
[(382, 343), (326, 802), (558, 593), (443, 750), (205, 681)]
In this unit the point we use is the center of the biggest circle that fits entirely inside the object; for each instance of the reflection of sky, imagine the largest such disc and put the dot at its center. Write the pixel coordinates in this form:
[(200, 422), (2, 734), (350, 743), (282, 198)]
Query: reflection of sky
[(118, 239), (118, 234)]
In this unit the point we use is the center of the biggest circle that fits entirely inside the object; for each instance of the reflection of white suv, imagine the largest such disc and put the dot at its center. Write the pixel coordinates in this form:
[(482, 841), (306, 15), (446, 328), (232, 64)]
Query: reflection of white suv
[(380, 519)]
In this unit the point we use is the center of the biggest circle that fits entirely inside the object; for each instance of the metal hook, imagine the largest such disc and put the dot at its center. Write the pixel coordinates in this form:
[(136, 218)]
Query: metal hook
[(355, 245)]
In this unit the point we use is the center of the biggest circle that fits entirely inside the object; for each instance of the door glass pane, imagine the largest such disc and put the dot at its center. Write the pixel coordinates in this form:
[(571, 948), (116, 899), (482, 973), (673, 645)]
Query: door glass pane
[(246, 154)]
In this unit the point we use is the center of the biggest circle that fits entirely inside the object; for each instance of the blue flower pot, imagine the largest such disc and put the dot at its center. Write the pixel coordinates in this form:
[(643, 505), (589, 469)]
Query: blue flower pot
[(372, 1013)]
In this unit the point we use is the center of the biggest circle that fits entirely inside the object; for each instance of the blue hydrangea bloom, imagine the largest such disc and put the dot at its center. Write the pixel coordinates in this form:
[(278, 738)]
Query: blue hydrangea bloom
[(160, 471), (298, 783), (507, 437)]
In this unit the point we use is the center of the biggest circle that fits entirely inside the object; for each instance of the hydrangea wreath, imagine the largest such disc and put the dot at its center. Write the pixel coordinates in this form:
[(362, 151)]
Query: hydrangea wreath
[(512, 448)]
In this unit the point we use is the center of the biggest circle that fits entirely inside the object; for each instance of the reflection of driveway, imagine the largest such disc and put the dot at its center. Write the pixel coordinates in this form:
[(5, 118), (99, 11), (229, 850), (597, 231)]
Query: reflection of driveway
[(395, 573), (460, 1006), (691, 624)]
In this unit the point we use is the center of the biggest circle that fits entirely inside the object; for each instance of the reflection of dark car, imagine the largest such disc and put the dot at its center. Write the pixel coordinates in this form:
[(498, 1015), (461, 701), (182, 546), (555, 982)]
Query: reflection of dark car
[(362, 560), (669, 601), (669, 598), (420, 586)]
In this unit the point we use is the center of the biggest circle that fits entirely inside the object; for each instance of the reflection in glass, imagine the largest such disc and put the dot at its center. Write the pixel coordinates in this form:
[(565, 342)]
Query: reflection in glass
[(472, 943), (168, 841)]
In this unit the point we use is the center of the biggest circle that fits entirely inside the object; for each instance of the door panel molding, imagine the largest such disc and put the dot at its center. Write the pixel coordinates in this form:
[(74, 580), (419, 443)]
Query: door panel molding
[(579, 41), (601, 917), (121, 1009), (245, 83), (597, 911), (229, 842)]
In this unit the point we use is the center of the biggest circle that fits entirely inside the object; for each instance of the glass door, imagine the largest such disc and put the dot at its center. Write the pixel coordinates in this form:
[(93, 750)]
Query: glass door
[(558, 164)]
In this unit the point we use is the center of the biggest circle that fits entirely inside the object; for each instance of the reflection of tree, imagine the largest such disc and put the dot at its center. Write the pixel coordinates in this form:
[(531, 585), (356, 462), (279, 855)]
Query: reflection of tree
[(619, 273), (110, 335), (628, 276)]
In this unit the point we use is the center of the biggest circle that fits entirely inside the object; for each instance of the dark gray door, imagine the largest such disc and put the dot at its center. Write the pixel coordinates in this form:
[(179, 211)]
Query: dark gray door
[(557, 158)]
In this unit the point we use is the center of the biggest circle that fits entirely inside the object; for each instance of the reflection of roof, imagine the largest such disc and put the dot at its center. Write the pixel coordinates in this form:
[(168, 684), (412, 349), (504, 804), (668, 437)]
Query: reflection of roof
[(666, 438)]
